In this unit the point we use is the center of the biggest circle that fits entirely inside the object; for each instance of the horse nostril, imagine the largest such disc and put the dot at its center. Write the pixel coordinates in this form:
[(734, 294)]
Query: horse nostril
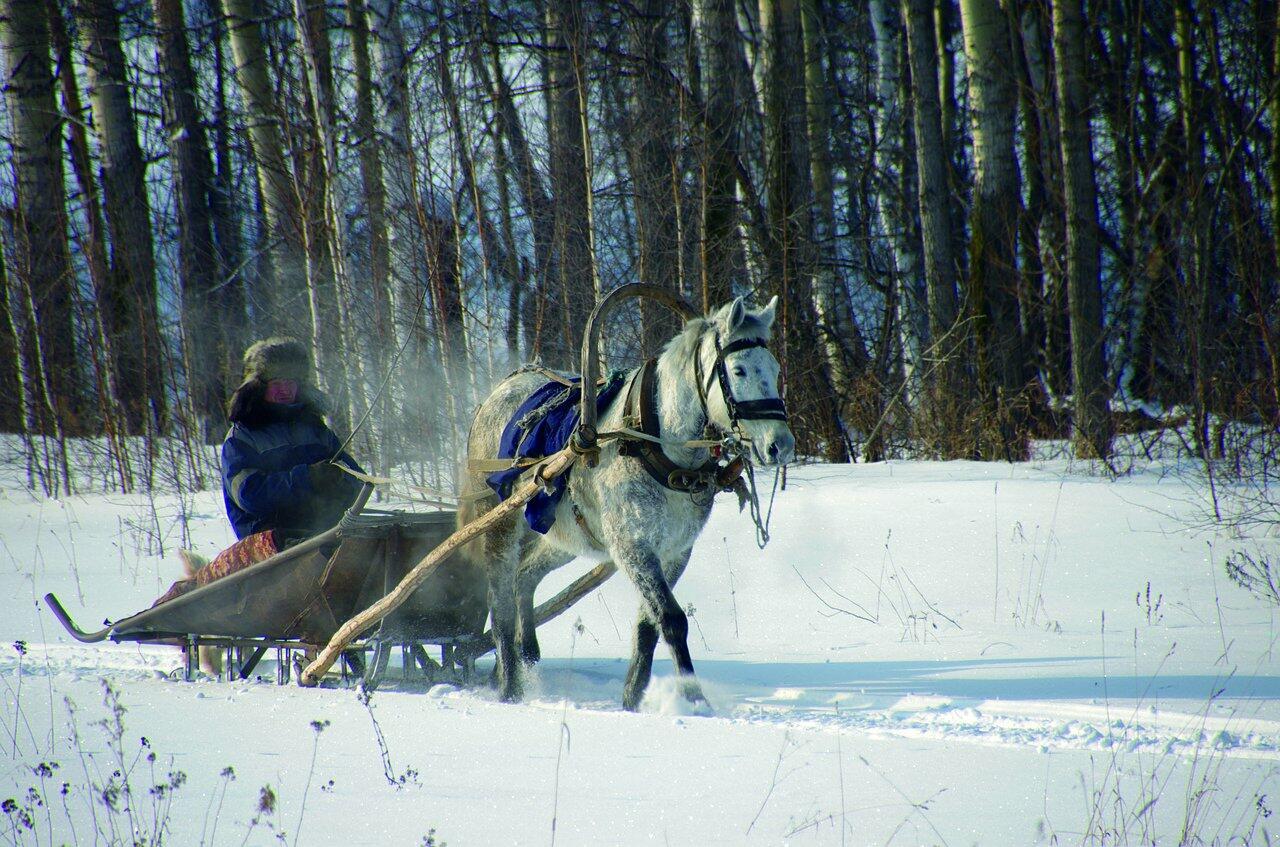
[(773, 452)]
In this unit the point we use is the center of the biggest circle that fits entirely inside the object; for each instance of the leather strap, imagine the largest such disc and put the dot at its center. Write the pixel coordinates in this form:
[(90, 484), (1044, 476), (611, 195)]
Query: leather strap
[(769, 408), (642, 404)]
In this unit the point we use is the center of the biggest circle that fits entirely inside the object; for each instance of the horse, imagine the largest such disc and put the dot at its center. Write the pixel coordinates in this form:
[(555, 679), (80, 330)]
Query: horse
[(642, 505)]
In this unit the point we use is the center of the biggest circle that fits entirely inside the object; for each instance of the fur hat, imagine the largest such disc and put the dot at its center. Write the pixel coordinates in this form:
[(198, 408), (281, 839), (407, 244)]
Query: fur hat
[(274, 358), (277, 358)]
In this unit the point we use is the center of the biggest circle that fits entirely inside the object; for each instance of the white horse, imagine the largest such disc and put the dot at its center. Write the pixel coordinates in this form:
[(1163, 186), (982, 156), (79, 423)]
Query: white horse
[(643, 507)]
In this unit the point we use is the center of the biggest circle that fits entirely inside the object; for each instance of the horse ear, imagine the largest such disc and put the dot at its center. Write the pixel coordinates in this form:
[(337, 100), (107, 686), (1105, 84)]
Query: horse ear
[(735, 314), (769, 312)]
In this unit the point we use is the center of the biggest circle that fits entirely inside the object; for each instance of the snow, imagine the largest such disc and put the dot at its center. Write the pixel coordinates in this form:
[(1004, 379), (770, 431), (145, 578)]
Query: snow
[(925, 653)]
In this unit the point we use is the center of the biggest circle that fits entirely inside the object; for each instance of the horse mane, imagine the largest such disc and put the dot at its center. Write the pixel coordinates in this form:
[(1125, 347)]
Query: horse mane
[(684, 345)]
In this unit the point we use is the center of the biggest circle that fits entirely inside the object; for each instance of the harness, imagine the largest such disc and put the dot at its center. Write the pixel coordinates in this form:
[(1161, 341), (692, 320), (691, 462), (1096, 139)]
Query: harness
[(640, 436), (642, 409)]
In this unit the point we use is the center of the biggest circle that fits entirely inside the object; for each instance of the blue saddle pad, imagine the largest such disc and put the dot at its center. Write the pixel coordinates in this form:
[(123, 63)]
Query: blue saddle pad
[(542, 426)]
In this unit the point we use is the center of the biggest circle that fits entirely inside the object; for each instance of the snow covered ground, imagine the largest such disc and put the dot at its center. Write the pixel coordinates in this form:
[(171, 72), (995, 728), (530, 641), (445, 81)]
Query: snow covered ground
[(926, 653)]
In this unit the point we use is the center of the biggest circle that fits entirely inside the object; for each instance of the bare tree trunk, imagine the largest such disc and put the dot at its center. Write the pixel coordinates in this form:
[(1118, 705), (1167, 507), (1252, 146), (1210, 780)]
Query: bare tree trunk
[(811, 399), (409, 224), (653, 165), (575, 292), (231, 295), (284, 295), (200, 270), (519, 160), (723, 259), (34, 401), (946, 353), (12, 401), (944, 19), (892, 178), (1043, 295), (490, 252), (845, 347), (1194, 251), (1269, 318), (365, 130), (131, 316), (41, 263), (1092, 424), (1002, 366), (335, 334), (513, 266), (93, 245)]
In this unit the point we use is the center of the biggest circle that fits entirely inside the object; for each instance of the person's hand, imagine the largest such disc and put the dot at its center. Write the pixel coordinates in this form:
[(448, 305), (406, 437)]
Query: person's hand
[(325, 475)]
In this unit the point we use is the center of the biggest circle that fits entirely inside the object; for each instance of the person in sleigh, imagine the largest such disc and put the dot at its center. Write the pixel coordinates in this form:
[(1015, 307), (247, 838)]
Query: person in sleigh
[(281, 480)]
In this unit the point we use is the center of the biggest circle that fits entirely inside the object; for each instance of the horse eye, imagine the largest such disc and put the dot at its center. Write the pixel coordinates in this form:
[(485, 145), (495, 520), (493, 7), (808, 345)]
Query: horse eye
[(739, 372)]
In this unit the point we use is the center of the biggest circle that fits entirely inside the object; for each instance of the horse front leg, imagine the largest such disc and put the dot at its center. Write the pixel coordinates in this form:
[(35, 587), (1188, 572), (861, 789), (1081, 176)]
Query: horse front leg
[(641, 667), (658, 605)]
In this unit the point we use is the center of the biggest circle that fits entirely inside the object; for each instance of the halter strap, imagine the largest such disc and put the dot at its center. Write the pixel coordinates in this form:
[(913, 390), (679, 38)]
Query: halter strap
[(767, 408)]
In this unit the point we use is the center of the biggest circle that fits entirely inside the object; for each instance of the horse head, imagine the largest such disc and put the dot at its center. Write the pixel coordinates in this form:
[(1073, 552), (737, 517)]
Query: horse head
[(738, 380)]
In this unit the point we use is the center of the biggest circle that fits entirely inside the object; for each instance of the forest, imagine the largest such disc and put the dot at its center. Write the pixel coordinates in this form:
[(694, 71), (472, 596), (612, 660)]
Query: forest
[(987, 221)]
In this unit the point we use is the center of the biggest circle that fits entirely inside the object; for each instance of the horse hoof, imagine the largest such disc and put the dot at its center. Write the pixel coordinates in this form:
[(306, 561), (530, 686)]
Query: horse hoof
[(700, 707), (698, 703)]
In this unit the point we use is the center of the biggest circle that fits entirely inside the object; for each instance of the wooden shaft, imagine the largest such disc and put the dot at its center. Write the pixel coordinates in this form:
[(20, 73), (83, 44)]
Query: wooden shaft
[(550, 610), (554, 467), (575, 591)]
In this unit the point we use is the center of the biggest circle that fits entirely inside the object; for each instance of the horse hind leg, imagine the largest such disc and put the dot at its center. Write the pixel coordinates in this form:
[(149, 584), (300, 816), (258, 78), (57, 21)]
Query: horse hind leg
[(503, 556), (641, 667), (534, 566)]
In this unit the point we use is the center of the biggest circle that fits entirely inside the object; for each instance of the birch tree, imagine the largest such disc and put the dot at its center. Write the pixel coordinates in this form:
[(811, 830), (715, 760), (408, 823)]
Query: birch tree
[(841, 336), (894, 178), (41, 266), (1001, 363), (131, 316), (1092, 420), (283, 298)]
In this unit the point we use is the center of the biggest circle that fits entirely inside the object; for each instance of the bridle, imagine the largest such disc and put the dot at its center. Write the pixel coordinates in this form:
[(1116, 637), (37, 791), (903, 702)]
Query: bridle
[(763, 409), (641, 409)]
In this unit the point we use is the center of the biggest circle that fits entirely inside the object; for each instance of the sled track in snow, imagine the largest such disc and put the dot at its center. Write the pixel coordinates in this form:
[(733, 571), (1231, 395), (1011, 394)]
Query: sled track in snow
[(1049, 726)]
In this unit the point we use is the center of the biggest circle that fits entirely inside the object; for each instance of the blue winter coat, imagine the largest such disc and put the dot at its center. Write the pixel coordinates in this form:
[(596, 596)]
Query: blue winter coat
[(265, 482)]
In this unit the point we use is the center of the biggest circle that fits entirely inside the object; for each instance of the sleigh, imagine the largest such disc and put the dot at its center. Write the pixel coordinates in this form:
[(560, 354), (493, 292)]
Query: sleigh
[(377, 581), (296, 600)]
